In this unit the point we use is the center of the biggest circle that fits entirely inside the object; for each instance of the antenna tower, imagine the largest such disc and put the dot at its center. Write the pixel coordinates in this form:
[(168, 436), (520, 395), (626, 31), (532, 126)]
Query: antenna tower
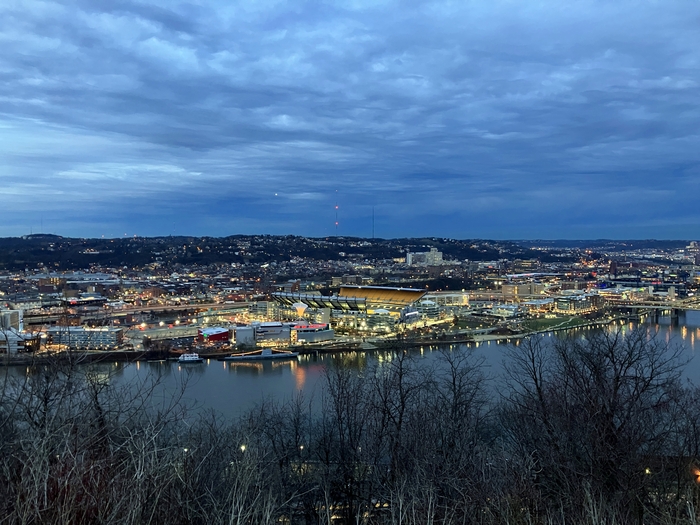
[(336, 213)]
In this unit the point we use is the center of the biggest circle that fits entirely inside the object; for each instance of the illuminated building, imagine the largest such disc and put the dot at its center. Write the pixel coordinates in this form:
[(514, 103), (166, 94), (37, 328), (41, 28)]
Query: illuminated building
[(13, 341), (312, 333), (578, 303), (354, 306), (80, 337), (213, 335)]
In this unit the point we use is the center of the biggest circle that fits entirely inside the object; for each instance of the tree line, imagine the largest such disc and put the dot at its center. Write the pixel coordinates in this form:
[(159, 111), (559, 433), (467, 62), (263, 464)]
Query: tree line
[(595, 430)]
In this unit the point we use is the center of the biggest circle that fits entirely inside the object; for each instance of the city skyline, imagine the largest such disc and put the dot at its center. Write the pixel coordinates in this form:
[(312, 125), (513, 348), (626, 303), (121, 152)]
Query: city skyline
[(473, 120)]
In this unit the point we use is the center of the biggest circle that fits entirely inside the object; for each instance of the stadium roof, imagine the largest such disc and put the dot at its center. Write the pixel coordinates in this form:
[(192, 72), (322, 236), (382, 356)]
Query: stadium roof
[(321, 301), (354, 298), (383, 294)]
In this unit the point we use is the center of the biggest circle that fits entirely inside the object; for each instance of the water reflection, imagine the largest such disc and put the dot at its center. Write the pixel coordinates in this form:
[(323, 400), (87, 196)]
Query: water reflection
[(261, 367), (232, 388), (300, 378), (193, 368), (684, 327)]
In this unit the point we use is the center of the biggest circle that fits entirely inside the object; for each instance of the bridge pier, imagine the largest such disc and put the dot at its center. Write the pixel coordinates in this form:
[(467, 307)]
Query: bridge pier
[(676, 313), (655, 315)]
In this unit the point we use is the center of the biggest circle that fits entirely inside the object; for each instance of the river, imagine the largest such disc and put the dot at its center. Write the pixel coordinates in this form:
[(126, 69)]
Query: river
[(233, 388)]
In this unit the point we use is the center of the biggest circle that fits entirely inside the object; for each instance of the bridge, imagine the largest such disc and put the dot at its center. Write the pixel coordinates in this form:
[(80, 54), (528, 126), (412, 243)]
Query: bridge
[(114, 313), (164, 308), (685, 304)]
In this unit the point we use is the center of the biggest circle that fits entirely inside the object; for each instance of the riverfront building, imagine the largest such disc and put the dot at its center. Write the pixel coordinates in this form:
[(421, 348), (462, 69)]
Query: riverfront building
[(263, 334), (281, 334), (578, 303), (79, 337), (13, 341), (213, 335), (312, 333)]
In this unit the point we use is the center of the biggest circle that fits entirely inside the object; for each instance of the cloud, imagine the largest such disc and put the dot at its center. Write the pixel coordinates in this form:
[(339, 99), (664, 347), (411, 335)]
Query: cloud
[(497, 119)]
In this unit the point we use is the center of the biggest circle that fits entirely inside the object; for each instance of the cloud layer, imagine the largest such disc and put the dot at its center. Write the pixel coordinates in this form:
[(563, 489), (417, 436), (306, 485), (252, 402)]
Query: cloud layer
[(497, 119)]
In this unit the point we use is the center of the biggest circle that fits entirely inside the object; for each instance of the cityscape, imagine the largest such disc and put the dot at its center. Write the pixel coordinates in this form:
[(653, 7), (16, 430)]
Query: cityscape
[(321, 262), (266, 379), (221, 296)]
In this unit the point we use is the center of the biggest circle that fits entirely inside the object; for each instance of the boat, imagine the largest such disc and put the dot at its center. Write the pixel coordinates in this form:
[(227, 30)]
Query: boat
[(259, 355), (190, 357)]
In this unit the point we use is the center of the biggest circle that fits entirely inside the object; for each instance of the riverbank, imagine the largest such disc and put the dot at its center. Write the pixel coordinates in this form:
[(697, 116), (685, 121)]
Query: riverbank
[(368, 344), (391, 344), (63, 358)]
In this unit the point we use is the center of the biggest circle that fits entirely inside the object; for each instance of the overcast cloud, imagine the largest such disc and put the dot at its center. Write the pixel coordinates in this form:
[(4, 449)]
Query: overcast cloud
[(500, 119)]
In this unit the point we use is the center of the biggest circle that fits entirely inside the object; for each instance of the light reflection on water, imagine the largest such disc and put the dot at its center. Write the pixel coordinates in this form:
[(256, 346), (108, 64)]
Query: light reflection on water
[(232, 388)]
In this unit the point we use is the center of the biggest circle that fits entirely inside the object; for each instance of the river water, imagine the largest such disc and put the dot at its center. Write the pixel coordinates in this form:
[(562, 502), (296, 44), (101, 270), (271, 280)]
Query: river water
[(231, 389)]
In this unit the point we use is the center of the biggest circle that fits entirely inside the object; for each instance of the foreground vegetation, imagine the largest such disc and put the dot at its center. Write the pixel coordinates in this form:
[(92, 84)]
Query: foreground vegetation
[(600, 430)]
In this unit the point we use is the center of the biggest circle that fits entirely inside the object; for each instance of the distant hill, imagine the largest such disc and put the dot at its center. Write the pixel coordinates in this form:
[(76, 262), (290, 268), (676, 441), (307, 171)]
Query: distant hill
[(606, 243), (64, 253)]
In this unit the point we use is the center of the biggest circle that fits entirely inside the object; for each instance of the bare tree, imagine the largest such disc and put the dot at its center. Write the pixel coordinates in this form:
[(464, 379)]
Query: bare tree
[(594, 430), (592, 414)]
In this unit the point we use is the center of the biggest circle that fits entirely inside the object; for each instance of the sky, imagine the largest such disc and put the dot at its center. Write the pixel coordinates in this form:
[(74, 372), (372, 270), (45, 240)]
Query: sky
[(496, 119)]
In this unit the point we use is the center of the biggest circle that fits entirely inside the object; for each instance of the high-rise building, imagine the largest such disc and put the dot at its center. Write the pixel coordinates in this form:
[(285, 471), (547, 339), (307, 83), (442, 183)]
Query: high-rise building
[(12, 319), (431, 258)]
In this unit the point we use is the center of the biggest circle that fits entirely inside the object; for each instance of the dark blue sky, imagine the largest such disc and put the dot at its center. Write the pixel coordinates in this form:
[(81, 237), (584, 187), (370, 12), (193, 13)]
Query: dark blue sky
[(489, 118)]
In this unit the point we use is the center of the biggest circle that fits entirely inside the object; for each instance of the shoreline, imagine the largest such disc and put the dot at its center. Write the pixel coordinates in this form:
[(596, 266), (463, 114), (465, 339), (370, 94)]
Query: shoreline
[(478, 338), (368, 345)]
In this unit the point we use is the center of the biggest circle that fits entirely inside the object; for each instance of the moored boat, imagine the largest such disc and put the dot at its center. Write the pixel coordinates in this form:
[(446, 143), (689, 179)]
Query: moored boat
[(265, 353), (190, 357)]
